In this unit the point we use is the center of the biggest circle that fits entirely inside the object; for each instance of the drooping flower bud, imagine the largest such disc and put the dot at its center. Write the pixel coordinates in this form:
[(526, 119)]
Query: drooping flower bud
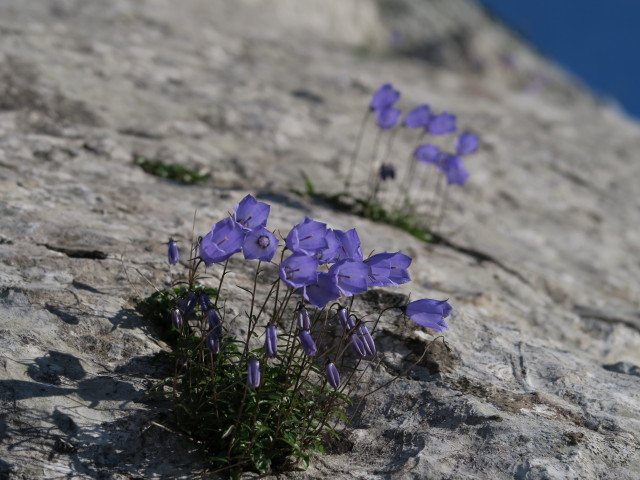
[(303, 319), (213, 342), (205, 302), (271, 341), (176, 319), (214, 319), (367, 339), (308, 345), (253, 373), (347, 322), (173, 255), (333, 377), (188, 304), (357, 345)]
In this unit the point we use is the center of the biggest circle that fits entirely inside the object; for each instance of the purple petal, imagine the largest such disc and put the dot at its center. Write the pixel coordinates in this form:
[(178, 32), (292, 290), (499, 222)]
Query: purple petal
[(271, 341), (307, 237), (260, 244), (304, 323), (442, 124), (367, 339), (333, 377), (429, 313), (352, 276), (388, 269), (213, 342), (329, 254), (384, 97), (345, 319), (427, 153), (173, 255), (253, 373), (357, 345), (455, 171), (250, 213), (299, 270), (224, 239), (388, 117), (418, 117), (349, 248), (307, 343), (322, 292), (467, 143)]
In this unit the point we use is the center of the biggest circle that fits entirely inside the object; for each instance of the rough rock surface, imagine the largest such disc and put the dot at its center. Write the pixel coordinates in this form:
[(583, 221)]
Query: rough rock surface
[(542, 381)]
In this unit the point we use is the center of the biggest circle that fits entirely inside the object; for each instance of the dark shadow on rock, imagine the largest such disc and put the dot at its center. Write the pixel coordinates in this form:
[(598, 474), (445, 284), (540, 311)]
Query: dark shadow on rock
[(96, 389), (66, 317), (623, 367), (127, 318), (13, 390), (54, 366)]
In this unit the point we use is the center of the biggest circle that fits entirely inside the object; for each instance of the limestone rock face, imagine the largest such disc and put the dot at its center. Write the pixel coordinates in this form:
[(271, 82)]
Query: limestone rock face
[(541, 264)]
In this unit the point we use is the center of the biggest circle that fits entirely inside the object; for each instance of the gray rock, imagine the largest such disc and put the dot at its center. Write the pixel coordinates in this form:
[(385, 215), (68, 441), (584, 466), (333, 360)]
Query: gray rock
[(540, 261)]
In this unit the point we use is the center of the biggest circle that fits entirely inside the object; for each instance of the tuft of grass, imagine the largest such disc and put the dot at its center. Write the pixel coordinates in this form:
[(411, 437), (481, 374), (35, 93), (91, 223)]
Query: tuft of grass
[(177, 173)]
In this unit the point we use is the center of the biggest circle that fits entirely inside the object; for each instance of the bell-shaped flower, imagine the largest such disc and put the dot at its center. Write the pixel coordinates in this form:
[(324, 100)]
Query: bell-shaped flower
[(330, 253), (418, 117), (253, 373), (384, 97), (367, 339), (387, 117), (454, 169), (176, 319), (173, 254), (271, 341), (357, 345), (213, 342), (351, 276), (307, 343), (349, 248), (250, 213), (213, 319), (427, 154), (299, 270), (442, 124), (388, 269), (323, 291), (260, 244), (333, 377), (467, 143), (304, 323), (429, 313), (307, 237), (224, 239), (345, 319)]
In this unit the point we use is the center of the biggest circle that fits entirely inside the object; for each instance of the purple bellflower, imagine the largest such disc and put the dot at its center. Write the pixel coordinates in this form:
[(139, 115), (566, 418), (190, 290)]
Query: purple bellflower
[(187, 305), (329, 254), (386, 172), (427, 153), (213, 319), (250, 213), (323, 291), (387, 117), (349, 248), (333, 377), (307, 343), (418, 117), (357, 345), (367, 339), (429, 313), (442, 124), (307, 237), (173, 254), (271, 341), (260, 244), (176, 319), (253, 373), (299, 270), (304, 323), (467, 143), (352, 276), (224, 239), (205, 301), (454, 169), (213, 342), (388, 269), (384, 97)]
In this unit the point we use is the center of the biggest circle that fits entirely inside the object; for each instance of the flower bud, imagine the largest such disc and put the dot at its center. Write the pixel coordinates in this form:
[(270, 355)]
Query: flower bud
[(173, 255), (303, 319), (176, 319), (271, 342), (213, 342), (307, 343), (253, 373), (333, 377), (357, 345), (214, 319), (205, 302), (367, 339), (347, 322)]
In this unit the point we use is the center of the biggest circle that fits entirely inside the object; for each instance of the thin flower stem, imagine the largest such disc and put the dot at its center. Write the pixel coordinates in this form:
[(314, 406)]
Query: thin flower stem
[(354, 156), (224, 272)]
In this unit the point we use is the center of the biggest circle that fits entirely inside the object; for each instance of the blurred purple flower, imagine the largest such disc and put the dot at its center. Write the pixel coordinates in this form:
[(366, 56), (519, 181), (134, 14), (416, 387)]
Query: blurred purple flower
[(253, 373), (224, 239), (427, 153), (454, 169), (388, 269), (260, 244), (173, 254), (250, 213), (323, 291), (213, 342), (388, 117), (442, 124), (429, 313), (299, 270), (384, 97), (307, 343), (271, 341), (351, 276), (307, 237), (467, 143), (418, 117), (333, 377)]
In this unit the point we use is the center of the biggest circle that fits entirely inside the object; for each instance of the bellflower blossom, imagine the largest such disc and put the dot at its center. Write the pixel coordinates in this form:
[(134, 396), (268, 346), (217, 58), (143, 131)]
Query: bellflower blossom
[(224, 239), (427, 153), (429, 313), (307, 237), (173, 254), (253, 373), (388, 117), (323, 291), (357, 345), (419, 117), (388, 269), (349, 248), (442, 124), (250, 213), (384, 97), (352, 276), (333, 377), (467, 143), (452, 165), (260, 244), (299, 270), (329, 254)]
